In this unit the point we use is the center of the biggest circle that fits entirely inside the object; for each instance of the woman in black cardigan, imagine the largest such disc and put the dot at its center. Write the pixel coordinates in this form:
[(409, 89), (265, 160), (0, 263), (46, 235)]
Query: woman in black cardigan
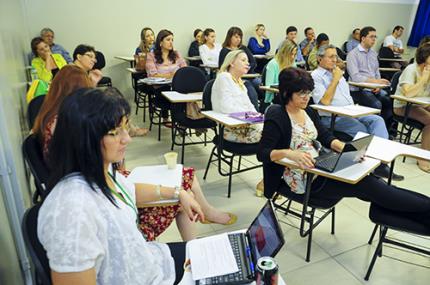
[(280, 129)]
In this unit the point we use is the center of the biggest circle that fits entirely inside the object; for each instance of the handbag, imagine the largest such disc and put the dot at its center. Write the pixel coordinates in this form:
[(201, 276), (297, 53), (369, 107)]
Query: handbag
[(140, 61), (193, 110)]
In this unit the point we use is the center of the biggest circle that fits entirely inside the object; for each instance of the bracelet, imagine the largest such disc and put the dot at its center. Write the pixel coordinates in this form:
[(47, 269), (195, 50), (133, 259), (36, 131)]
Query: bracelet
[(158, 191)]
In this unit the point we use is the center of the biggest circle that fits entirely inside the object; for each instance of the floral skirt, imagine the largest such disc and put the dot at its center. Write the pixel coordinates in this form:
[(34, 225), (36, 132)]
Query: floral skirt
[(153, 221)]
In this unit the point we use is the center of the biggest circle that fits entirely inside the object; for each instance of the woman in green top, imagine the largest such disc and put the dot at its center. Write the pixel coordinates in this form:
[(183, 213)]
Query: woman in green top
[(46, 63), (285, 57)]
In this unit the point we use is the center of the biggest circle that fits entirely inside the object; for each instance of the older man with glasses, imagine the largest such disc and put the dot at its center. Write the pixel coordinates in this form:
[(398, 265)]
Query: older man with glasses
[(47, 35), (331, 88)]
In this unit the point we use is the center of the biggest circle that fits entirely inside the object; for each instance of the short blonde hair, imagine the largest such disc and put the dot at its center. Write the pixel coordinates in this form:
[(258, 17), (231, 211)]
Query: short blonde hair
[(230, 57), (283, 56), (259, 26)]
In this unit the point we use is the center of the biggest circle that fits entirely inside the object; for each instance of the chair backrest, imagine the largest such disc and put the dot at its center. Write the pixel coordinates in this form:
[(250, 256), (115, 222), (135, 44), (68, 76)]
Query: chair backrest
[(35, 248), (101, 61), (386, 52), (395, 82), (188, 79), (252, 93), (344, 47), (341, 53), (33, 109), (33, 155), (207, 95)]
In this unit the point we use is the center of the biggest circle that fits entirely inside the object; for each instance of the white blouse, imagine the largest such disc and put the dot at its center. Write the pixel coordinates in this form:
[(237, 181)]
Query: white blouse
[(228, 96), (81, 229), (210, 56)]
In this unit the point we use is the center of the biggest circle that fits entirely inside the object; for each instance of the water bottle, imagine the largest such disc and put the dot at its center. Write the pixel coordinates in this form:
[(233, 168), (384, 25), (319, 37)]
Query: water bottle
[(33, 74)]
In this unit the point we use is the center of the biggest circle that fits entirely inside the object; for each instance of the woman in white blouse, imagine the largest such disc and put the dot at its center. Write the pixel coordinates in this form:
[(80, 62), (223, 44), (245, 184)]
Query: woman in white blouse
[(230, 95), (209, 50), (87, 224)]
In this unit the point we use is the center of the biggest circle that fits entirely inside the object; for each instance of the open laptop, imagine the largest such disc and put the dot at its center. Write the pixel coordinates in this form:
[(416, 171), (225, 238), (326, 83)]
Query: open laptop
[(264, 237), (350, 155)]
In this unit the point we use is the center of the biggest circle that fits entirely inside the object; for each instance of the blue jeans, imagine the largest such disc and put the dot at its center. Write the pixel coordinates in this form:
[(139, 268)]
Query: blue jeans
[(372, 124)]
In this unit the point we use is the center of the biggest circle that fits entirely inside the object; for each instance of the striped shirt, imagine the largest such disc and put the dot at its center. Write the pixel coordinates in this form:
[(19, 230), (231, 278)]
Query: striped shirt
[(154, 68), (362, 65)]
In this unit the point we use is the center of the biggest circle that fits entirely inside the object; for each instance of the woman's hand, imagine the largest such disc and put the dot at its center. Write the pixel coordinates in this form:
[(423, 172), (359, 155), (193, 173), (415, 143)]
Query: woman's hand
[(190, 206), (303, 159)]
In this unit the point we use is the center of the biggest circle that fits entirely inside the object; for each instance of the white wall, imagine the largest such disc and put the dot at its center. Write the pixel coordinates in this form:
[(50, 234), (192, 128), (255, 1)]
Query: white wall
[(114, 26)]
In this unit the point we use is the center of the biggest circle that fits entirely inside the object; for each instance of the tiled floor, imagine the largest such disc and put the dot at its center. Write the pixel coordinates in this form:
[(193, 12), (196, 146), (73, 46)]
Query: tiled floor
[(336, 259)]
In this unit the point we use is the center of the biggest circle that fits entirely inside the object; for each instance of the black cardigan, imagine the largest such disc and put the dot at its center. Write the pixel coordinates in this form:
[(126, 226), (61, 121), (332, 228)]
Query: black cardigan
[(252, 63), (194, 49), (277, 135)]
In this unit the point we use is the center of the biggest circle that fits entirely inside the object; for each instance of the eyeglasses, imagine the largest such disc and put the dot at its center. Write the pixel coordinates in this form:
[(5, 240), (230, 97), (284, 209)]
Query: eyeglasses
[(91, 56), (373, 37), (304, 94), (335, 56), (119, 131)]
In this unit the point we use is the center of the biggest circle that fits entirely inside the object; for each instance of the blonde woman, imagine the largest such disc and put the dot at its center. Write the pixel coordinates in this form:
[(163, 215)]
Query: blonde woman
[(284, 58), (230, 95), (259, 44)]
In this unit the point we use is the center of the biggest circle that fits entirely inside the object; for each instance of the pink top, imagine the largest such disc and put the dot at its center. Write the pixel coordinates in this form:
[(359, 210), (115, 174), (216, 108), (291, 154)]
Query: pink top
[(153, 68)]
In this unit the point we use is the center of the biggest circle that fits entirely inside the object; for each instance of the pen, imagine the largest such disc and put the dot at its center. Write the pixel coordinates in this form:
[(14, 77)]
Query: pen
[(251, 264)]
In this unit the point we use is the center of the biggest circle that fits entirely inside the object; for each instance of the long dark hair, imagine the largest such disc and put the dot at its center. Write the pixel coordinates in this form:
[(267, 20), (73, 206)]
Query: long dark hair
[(157, 49), (230, 33), (84, 118)]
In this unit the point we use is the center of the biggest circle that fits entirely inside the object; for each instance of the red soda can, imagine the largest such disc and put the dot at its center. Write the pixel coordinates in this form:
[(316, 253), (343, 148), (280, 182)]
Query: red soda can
[(267, 271)]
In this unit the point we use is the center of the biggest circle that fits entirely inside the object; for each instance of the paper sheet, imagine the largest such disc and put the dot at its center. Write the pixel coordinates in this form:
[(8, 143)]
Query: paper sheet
[(211, 256)]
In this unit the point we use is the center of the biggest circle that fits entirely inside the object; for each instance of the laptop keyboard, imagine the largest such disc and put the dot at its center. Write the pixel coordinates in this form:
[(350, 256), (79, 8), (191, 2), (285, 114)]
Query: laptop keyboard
[(327, 161), (233, 278)]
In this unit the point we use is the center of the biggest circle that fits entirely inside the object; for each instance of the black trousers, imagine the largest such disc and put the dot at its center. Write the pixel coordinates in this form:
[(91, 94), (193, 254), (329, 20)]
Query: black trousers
[(410, 204), (177, 249), (160, 101)]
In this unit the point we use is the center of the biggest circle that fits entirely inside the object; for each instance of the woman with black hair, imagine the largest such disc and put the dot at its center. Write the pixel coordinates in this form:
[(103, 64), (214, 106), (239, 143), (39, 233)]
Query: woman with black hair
[(193, 50), (163, 62), (87, 224), (288, 132)]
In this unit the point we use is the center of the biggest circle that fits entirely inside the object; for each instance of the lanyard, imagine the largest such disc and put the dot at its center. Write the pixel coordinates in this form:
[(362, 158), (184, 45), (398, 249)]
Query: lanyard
[(127, 200)]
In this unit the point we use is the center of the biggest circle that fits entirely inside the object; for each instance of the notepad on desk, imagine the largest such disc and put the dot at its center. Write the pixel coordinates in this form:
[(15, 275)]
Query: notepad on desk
[(249, 117), (157, 175)]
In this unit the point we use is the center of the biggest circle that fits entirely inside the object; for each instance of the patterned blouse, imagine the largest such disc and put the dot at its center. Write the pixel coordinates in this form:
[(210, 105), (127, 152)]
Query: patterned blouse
[(154, 68), (301, 139)]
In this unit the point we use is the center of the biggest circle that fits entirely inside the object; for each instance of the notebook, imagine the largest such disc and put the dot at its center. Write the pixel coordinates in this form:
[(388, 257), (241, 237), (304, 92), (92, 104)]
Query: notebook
[(264, 237), (249, 117)]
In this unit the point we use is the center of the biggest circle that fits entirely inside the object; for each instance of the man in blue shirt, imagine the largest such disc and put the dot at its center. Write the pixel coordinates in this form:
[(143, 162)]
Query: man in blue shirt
[(332, 89), (48, 37), (354, 41)]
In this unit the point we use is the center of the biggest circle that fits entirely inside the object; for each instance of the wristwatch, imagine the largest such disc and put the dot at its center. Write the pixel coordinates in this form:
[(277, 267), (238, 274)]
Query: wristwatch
[(176, 193)]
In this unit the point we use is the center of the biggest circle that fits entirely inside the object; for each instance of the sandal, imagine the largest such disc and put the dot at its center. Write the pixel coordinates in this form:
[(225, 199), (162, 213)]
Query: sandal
[(425, 168), (138, 132), (233, 220)]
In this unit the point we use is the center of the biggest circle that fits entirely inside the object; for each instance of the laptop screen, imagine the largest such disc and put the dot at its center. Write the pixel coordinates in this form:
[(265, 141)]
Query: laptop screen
[(265, 234)]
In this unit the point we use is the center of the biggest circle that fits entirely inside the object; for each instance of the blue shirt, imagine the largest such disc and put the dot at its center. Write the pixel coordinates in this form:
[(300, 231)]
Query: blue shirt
[(255, 48), (60, 50), (351, 44), (322, 79), (362, 65)]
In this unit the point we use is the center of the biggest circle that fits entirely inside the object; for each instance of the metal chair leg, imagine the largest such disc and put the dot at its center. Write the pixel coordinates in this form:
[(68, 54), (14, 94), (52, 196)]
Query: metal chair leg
[(373, 234), (311, 225), (230, 176), (333, 212), (183, 149), (209, 162), (375, 255)]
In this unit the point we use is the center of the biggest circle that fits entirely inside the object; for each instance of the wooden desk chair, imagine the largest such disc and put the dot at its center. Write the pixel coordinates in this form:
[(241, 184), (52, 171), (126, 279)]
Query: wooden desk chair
[(225, 151), (408, 124), (387, 219), (187, 80)]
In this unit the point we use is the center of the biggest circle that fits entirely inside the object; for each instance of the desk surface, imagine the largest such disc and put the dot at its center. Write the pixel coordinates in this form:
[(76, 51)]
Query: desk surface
[(414, 100), (353, 111), (133, 70), (386, 150), (176, 97), (224, 119), (389, 69), (351, 174), (266, 56), (251, 75), (126, 58), (209, 66), (268, 88), (155, 81), (193, 58), (393, 59), (368, 85)]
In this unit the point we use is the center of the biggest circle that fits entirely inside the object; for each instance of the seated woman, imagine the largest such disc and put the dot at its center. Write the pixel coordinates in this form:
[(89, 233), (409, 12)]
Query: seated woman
[(84, 56), (260, 43), (285, 57), (68, 79), (153, 220), (44, 62), (415, 82), (230, 95), (289, 131), (193, 50), (91, 211), (146, 45), (209, 50), (163, 62), (233, 41)]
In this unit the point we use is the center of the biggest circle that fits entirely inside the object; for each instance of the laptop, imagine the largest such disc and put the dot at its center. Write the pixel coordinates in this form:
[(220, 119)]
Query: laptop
[(350, 155), (264, 237)]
